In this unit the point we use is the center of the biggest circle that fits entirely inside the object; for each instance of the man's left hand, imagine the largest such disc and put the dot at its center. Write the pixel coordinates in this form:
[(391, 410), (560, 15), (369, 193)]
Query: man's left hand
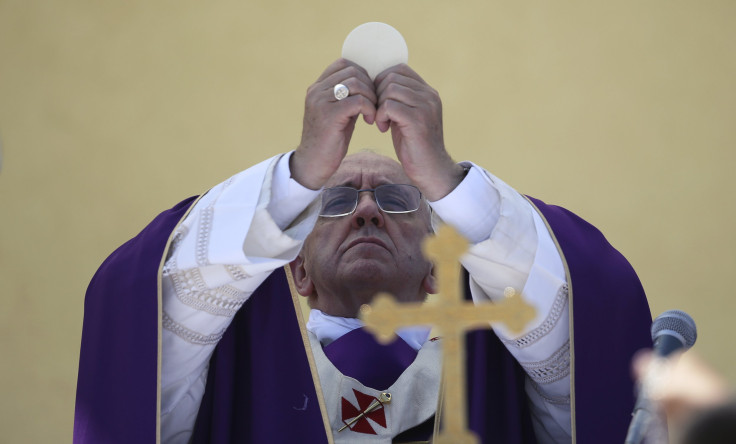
[(413, 111)]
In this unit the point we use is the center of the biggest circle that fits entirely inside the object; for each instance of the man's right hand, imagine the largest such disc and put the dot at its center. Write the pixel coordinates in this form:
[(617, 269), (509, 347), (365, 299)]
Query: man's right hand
[(329, 123)]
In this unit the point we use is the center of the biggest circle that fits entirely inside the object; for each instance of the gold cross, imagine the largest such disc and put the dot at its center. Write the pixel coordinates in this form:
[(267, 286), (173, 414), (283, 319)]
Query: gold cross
[(452, 316)]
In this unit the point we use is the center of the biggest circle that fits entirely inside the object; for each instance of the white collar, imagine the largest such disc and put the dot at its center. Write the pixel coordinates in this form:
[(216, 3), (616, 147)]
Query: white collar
[(328, 328)]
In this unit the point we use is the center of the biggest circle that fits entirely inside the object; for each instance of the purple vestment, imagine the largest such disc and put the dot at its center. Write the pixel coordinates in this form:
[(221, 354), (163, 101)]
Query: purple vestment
[(259, 386)]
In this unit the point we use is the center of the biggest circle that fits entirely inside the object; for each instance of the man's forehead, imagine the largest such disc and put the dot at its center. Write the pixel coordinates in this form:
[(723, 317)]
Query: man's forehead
[(368, 166)]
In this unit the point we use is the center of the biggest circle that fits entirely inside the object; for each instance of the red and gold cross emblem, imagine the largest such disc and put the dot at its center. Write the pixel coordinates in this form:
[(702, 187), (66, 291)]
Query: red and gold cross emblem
[(369, 407)]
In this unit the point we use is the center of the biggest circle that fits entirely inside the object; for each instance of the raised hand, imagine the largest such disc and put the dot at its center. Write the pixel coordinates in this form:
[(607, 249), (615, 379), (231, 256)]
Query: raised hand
[(412, 110), (329, 123)]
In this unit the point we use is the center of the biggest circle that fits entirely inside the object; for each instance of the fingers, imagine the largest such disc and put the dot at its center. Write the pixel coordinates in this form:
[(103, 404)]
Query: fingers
[(323, 105), (399, 74), (352, 76), (640, 362), (399, 84), (402, 69), (325, 113), (336, 66), (362, 96), (681, 383), (406, 109), (404, 96), (329, 123)]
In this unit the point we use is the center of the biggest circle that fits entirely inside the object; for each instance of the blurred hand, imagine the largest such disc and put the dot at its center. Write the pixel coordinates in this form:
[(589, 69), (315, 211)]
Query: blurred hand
[(684, 384)]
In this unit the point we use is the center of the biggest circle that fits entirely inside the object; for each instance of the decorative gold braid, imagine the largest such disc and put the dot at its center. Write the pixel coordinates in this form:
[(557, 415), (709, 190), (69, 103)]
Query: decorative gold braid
[(570, 311), (310, 357), (160, 303)]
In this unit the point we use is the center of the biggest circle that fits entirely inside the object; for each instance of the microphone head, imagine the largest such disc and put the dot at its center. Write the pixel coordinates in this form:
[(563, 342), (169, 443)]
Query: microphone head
[(677, 324)]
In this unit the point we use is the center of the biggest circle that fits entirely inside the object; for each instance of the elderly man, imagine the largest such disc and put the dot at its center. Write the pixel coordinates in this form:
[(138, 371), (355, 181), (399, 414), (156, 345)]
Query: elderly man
[(233, 367)]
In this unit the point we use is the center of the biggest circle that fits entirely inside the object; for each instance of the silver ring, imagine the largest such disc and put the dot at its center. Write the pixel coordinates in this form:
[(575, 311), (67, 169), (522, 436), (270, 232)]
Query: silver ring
[(341, 91)]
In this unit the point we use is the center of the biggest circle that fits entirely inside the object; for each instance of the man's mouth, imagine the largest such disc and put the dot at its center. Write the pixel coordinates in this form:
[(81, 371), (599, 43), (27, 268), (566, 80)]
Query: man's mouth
[(366, 240)]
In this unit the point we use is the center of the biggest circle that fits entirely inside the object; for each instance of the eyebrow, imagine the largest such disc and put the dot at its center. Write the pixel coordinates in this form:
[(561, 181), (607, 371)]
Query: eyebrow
[(346, 183), (352, 183)]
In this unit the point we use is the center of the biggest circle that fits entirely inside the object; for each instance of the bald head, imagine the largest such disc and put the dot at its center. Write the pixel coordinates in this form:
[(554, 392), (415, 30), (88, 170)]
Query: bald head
[(372, 161)]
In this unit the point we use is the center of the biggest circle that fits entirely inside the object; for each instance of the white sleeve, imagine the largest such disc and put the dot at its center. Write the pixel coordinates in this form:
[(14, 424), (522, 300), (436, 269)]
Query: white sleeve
[(224, 249), (511, 247)]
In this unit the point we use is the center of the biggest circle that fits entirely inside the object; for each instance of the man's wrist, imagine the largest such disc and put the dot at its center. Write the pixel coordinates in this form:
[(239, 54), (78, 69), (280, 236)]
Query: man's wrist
[(472, 207), (298, 169), (440, 187), (288, 197)]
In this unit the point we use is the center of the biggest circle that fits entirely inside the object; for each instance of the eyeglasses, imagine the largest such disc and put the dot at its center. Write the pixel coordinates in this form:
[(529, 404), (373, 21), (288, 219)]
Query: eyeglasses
[(390, 198)]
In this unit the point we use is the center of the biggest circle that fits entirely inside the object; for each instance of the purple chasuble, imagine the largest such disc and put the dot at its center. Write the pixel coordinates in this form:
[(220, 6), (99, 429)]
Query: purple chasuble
[(611, 321), (116, 383), (259, 386), (264, 395)]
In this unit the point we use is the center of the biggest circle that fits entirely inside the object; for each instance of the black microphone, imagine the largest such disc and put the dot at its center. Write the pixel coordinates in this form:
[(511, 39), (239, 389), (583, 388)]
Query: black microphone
[(671, 331)]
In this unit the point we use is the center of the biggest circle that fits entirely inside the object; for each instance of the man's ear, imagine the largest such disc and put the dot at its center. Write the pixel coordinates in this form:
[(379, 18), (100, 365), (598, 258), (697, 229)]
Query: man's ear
[(302, 281), (429, 283)]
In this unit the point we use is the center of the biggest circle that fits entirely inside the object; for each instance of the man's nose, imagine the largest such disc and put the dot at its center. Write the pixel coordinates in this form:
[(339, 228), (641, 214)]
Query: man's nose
[(367, 211)]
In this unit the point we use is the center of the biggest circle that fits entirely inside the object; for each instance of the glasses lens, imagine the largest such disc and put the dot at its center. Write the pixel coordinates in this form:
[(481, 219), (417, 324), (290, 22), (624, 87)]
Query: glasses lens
[(338, 201), (398, 198)]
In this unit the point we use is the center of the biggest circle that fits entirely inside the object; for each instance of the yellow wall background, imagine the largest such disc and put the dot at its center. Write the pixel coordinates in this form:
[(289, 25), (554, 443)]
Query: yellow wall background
[(112, 111)]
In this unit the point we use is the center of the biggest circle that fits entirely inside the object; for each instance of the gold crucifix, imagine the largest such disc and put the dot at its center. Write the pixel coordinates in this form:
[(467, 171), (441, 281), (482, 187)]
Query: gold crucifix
[(452, 316)]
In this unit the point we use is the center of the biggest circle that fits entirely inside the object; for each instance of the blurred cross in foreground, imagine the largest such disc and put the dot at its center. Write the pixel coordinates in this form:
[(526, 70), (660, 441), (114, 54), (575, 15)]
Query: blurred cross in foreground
[(452, 316)]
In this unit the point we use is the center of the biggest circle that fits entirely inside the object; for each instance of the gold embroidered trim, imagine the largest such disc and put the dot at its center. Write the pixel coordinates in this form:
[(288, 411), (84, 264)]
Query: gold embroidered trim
[(160, 305), (310, 357), (570, 296)]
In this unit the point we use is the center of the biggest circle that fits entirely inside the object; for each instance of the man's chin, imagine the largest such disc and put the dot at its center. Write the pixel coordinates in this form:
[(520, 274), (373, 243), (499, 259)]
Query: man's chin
[(370, 274), (368, 271)]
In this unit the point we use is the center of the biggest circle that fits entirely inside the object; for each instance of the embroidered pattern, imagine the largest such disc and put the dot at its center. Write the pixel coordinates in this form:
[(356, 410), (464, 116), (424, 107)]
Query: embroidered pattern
[(191, 290), (552, 369), (559, 400), (237, 272), (558, 308), (188, 335), (203, 235)]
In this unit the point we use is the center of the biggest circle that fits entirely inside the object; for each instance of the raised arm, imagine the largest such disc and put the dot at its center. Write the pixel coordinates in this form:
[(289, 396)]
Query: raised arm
[(242, 230), (511, 245)]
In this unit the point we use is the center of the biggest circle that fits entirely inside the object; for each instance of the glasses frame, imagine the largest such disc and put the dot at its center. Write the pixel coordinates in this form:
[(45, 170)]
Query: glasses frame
[(372, 190)]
